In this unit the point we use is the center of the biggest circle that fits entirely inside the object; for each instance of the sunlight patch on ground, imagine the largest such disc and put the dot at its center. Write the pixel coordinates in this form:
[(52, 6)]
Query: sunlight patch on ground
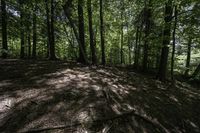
[(83, 117), (29, 94), (71, 77), (103, 71), (5, 107), (6, 104), (96, 87)]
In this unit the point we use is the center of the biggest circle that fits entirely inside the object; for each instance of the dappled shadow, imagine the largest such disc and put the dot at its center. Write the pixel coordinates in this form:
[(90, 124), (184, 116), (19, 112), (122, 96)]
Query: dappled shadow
[(77, 98)]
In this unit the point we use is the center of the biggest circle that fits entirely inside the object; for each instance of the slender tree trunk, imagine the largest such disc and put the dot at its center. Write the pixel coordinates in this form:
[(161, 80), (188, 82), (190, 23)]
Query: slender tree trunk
[(157, 58), (174, 43), (102, 34), (29, 42), (122, 32), (136, 48), (34, 31), (26, 43), (147, 14), (129, 47), (48, 28), (129, 51), (52, 43), (122, 43), (95, 38), (92, 46), (188, 57), (137, 61), (4, 30), (166, 41), (22, 54), (72, 38), (81, 32)]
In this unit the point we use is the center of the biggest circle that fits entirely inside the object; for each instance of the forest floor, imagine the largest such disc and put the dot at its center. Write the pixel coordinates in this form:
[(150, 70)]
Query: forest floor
[(61, 97)]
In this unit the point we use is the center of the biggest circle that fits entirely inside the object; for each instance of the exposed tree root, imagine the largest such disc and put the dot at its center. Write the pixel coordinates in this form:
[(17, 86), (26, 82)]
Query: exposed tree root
[(131, 113)]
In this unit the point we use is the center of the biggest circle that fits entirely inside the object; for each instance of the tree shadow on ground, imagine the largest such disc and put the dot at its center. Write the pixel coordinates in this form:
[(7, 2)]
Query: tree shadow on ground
[(46, 94)]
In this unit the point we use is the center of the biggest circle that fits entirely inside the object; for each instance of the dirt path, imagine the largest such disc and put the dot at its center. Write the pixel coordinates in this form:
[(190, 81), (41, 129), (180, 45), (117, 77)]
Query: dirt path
[(67, 97)]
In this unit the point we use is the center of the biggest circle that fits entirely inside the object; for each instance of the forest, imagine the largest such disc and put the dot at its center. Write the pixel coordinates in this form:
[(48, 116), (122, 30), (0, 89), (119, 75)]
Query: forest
[(100, 66)]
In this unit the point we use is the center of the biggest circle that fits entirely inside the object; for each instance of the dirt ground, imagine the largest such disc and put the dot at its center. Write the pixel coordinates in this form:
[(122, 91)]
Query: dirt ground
[(61, 97)]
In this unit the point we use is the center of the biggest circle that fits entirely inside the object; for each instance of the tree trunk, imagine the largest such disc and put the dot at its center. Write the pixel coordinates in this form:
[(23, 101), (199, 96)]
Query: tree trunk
[(188, 57), (122, 43), (92, 46), (34, 31), (122, 33), (174, 43), (29, 42), (129, 47), (136, 48), (102, 34), (95, 37), (22, 54), (157, 64), (81, 32), (147, 14), (4, 30), (52, 43), (137, 56), (166, 41), (48, 28)]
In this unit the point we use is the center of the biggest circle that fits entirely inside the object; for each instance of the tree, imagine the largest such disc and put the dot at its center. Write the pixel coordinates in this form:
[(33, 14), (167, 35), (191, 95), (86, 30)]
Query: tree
[(166, 41), (136, 47), (52, 55), (48, 28), (174, 43), (187, 65), (147, 19), (29, 41), (4, 30), (138, 44), (81, 32), (92, 45), (122, 31), (102, 34), (34, 30), (22, 52)]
